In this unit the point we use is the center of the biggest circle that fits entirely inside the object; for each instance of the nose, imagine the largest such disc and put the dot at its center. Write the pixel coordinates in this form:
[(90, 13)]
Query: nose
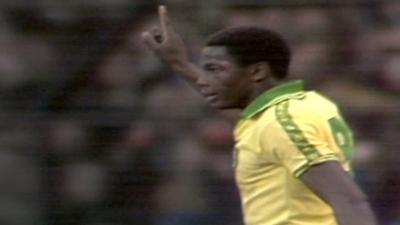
[(202, 81)]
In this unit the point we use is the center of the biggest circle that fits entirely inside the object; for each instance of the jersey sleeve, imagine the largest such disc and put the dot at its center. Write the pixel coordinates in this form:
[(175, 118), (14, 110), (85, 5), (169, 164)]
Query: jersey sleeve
[(299, 141)]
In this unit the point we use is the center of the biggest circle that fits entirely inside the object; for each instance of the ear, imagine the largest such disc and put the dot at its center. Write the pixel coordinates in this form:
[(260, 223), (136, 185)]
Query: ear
[(259, 71)]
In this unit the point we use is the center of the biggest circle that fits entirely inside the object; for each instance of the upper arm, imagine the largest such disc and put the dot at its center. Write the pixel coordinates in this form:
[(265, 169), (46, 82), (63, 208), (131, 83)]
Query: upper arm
[(332, 183)]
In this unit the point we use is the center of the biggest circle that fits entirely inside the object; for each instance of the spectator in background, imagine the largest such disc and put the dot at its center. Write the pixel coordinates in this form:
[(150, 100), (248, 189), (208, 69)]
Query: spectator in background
[(78, 180), (390, 72), (20, 175), (216, 138), (134, 175)]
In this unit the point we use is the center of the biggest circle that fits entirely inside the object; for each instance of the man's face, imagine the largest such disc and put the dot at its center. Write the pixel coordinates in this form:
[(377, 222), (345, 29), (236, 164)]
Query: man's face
[(226, 84)]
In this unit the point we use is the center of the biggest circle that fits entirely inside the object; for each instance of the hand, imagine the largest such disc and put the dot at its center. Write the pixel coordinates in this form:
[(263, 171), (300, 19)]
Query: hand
[(165, 42)]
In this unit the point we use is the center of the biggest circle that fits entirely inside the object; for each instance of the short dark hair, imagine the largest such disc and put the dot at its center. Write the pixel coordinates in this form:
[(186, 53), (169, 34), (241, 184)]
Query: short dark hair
[(249, 44)]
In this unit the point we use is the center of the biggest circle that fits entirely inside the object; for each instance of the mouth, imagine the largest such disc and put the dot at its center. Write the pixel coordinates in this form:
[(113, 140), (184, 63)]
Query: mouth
[(207, 92), (210, 97)]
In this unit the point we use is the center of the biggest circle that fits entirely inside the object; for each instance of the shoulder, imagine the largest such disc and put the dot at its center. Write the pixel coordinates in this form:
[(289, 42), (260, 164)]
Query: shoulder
[(307, 115), (312, 107)]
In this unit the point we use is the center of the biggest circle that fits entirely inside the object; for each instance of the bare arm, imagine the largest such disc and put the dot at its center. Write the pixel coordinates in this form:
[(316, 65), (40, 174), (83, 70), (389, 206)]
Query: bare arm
[(169, 48), (333, 184)]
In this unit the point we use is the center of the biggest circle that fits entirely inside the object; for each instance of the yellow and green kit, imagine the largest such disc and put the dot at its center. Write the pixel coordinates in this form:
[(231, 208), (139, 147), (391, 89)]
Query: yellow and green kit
[(280, 135)]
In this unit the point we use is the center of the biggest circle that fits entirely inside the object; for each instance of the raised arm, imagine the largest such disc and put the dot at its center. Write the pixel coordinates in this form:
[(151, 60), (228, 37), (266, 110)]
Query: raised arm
[(170, 49), (331, 183)]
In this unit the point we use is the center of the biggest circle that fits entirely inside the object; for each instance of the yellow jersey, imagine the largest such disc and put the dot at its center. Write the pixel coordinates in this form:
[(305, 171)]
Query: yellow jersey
[(280, 135)]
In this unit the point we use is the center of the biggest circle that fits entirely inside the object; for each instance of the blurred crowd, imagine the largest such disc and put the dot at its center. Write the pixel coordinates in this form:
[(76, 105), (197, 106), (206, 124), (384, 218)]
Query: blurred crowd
[(95, 131)]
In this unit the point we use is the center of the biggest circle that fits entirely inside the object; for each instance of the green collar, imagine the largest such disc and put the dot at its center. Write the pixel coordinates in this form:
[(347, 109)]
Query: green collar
[(266, 99)]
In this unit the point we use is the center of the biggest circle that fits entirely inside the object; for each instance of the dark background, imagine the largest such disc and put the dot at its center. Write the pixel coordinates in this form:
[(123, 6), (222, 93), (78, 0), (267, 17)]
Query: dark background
[(95, 131)]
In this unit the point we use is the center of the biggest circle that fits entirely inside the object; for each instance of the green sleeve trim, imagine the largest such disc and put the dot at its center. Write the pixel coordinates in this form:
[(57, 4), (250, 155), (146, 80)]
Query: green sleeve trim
[(294, 132), (303, 168), (307, 165)]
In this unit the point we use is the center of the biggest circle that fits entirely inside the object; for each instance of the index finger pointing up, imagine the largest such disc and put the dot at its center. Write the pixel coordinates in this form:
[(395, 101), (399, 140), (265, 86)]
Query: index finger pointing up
[(164, 22)]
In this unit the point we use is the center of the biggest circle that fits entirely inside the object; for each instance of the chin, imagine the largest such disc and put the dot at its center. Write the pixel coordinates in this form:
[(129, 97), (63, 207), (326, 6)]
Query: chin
[(223, 106), (216, 104)]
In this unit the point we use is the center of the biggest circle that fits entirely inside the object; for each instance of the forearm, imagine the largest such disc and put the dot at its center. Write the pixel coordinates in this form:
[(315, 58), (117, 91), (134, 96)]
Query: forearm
[(188, 71)]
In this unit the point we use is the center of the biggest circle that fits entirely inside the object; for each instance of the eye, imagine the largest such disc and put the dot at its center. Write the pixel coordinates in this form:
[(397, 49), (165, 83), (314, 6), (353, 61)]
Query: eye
[(212, 68)]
